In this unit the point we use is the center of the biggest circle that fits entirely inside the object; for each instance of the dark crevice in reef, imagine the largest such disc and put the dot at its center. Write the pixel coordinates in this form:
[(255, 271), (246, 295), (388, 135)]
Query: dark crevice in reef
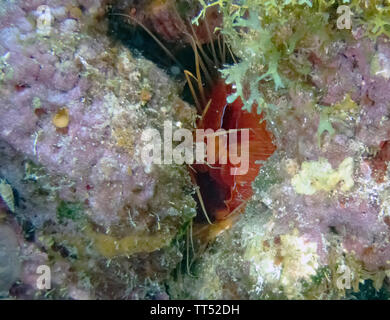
[(141, 43), (367, 291)]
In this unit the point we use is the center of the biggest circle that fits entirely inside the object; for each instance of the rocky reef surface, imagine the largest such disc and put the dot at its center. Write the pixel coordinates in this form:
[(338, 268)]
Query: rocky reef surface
[(317, 226), (73, 106), (76, 197)]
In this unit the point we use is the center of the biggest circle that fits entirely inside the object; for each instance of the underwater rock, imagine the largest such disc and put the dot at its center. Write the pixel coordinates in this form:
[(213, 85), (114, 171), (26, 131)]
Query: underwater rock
[(74, 103), (317, 225), (71, 117), (10, 264)]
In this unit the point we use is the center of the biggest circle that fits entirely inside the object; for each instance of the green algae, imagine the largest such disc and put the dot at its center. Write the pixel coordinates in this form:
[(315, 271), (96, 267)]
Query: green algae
[(69, 210), (266, 36)]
